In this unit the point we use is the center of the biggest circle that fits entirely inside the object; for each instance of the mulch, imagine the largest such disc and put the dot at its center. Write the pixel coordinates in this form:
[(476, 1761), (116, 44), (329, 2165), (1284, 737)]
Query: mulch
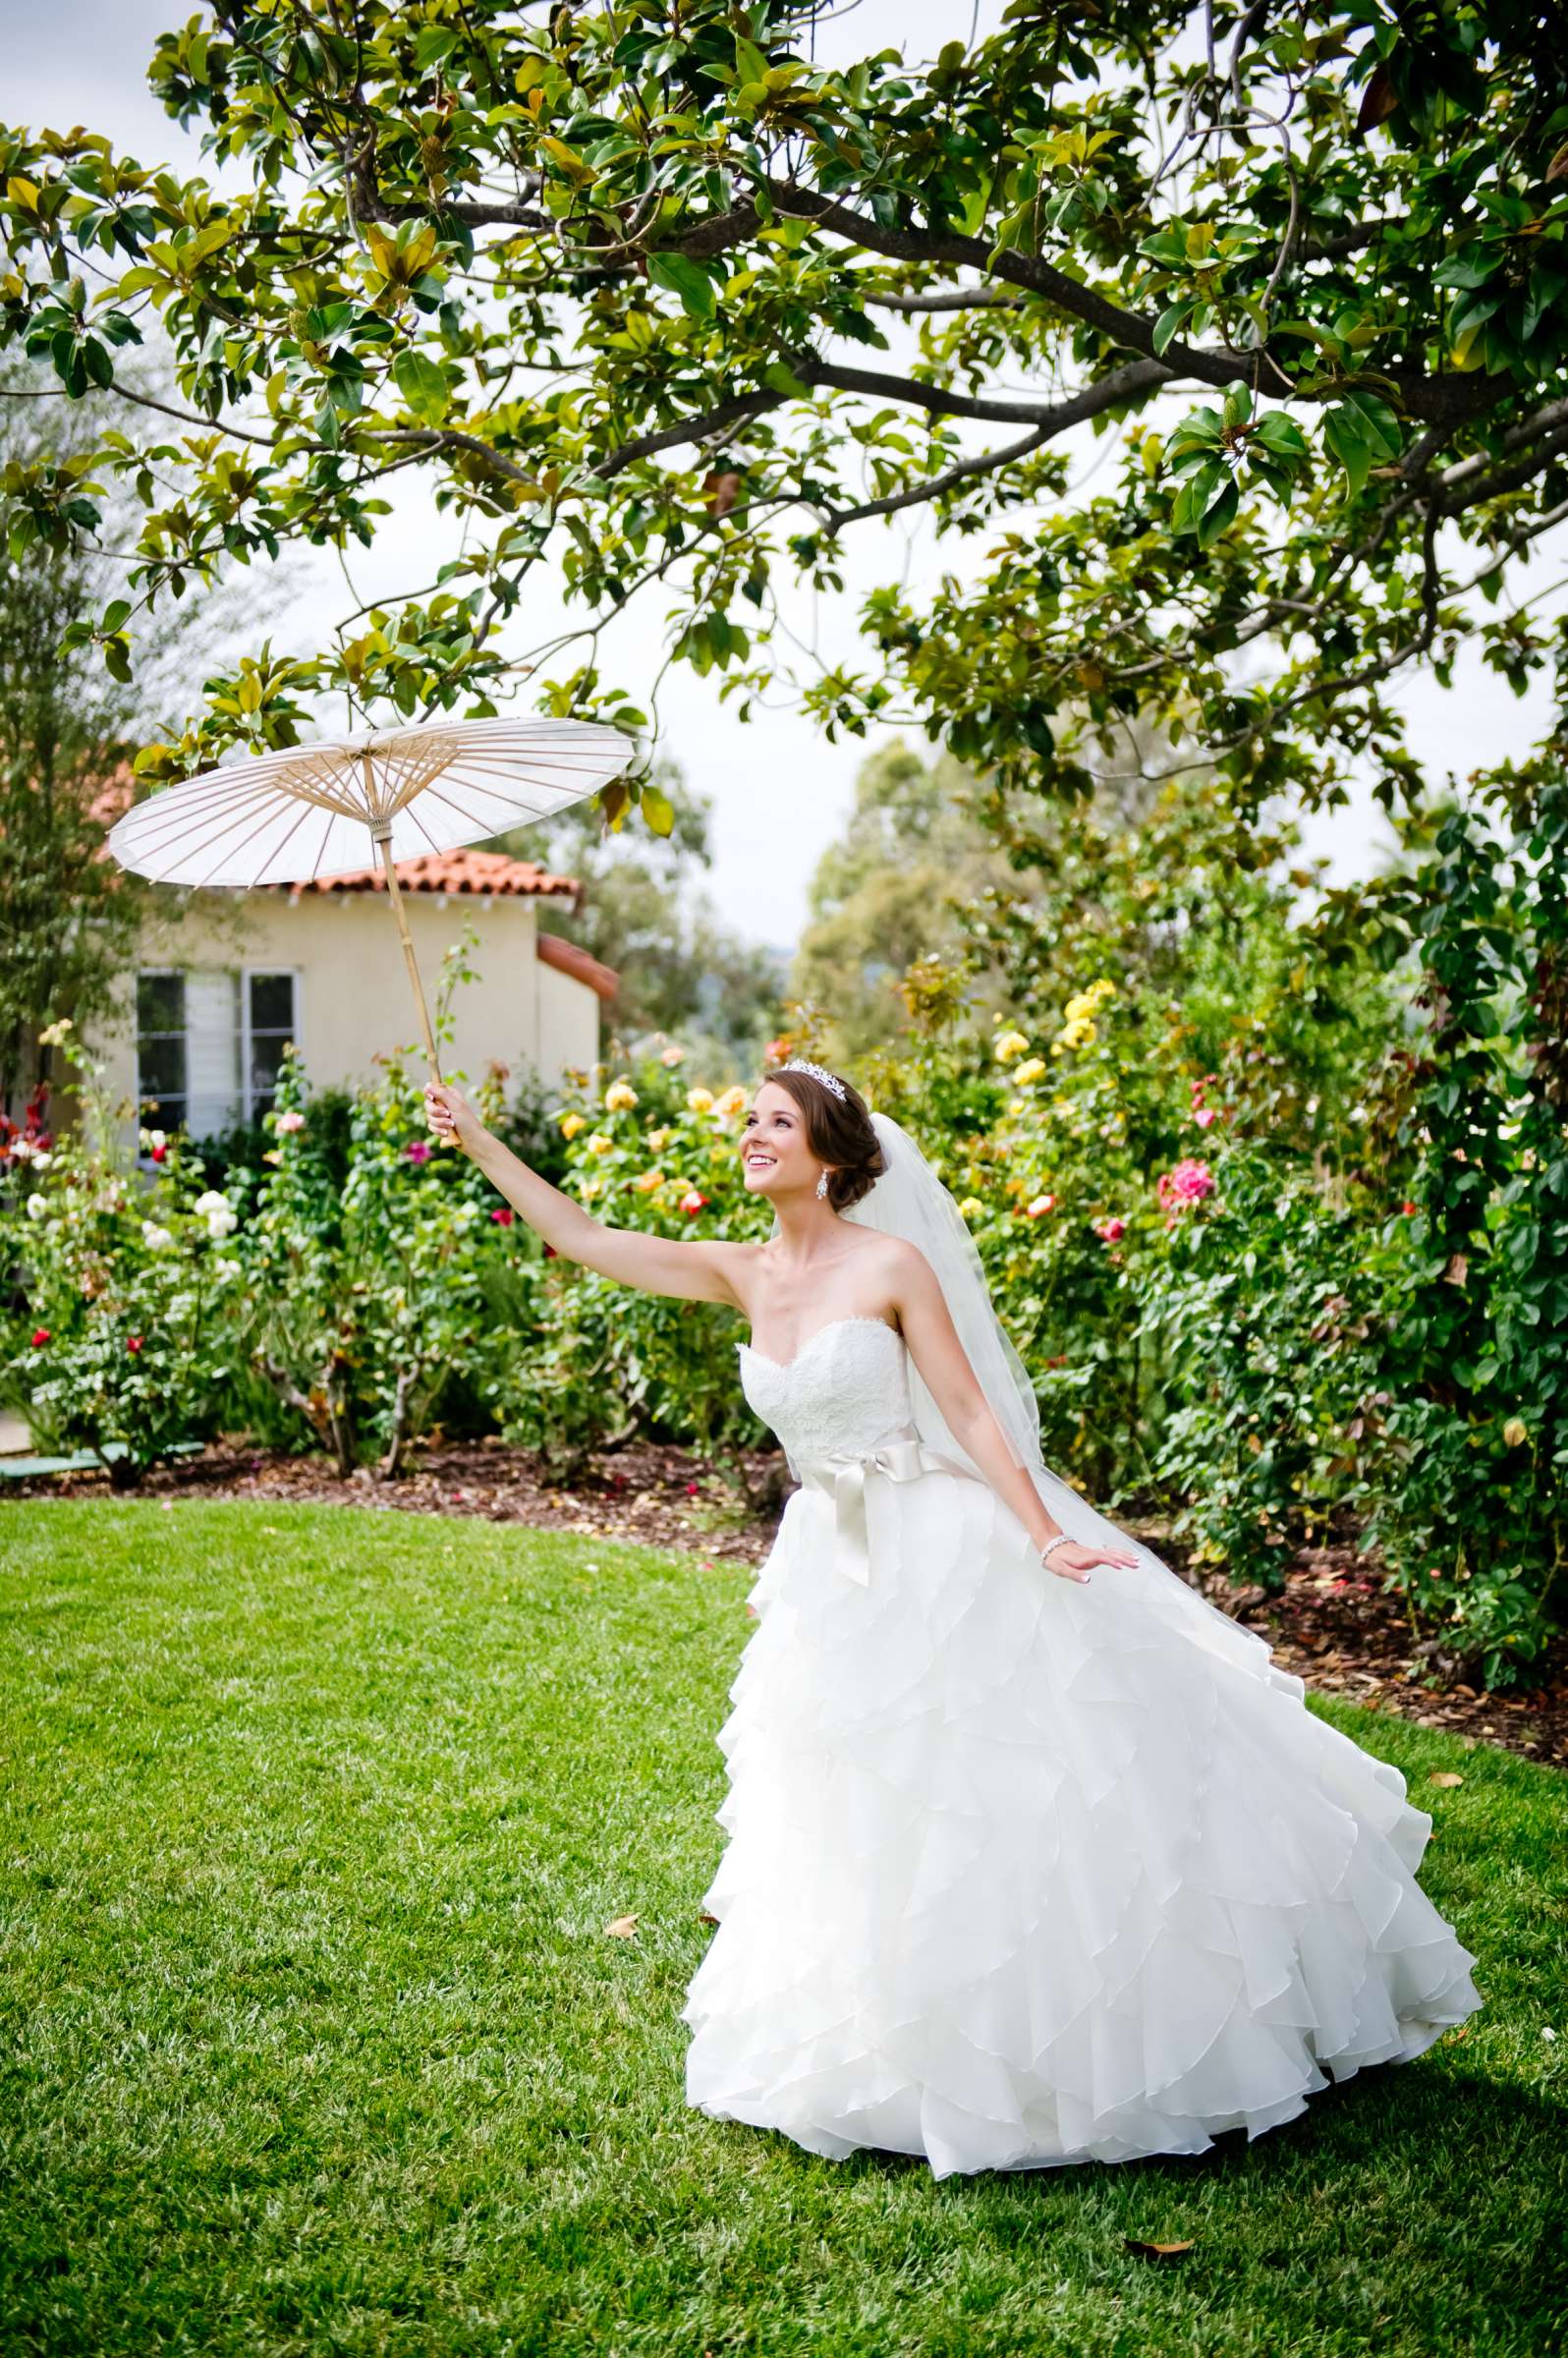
[(1332, 1624)]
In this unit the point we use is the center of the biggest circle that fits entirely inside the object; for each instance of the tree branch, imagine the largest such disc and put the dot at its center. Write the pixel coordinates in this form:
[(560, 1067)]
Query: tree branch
[(1123, 384), (1139, 377), (956, 299), (1438, 400)]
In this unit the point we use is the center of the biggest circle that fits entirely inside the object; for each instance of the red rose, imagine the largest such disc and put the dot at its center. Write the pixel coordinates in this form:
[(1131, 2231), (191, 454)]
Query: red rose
[(1408, 1207), (504, 1218), (549, 1252), (133, 1342), (40, 1337), (157, 1153)]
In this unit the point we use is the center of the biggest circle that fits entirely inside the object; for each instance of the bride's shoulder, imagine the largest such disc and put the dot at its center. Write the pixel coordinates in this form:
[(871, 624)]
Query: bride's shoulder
[(899, 1261)]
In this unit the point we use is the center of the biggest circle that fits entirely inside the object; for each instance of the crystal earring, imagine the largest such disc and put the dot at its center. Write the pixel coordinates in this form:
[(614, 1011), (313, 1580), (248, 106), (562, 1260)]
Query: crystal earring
[(822, 1186)]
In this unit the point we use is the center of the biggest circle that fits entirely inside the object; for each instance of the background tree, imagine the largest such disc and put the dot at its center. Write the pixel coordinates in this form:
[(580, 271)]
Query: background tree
[(890, 891), (659, 305), (67, 729), (646, 912)]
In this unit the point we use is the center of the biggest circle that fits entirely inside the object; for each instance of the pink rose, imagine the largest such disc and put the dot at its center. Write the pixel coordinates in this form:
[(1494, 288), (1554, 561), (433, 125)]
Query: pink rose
[(503, 1216), (417, 1150), (289, 1122), (1188, 1182), (1204, 1115), (1111, 1230)]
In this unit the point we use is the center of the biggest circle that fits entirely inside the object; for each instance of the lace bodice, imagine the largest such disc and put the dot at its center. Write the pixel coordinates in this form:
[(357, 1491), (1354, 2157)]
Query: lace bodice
[(846, 1388)]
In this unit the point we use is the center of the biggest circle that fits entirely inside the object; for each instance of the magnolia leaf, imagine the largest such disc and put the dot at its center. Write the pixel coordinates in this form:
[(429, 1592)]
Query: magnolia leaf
[(681, 276), (657, 809), (1158, 2250), (623, 1927), (422, 386), (1445, 1776), (1378, 99)]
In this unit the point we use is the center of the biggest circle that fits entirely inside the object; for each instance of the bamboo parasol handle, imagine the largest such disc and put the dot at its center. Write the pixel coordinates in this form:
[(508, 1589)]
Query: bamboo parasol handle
[(395, 892)]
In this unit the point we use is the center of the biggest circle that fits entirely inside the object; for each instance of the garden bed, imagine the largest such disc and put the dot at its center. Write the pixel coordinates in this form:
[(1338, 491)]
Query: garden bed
[(1332, 1625)]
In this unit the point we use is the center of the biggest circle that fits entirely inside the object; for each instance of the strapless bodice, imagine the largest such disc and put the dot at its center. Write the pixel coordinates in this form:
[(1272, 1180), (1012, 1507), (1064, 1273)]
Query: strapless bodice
[(847, 1388)]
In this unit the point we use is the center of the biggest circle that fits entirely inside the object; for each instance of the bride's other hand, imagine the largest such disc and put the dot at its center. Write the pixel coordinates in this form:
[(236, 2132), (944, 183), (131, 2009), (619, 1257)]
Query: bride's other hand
[(452, 1117), (1076, 1562)]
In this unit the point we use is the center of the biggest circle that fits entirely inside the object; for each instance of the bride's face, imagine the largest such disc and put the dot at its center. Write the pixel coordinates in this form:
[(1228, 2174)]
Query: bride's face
[(776, 1158)]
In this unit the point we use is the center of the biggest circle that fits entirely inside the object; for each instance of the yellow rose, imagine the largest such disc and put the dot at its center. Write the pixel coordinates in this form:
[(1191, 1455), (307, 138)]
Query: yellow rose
[(1016, 1104), (571, 1124), (1031, 1070), (1011, 1044), (658, 1140), (597, 1144), (619, 1098), (971, 1208), (699, 1101), (646, 1181), (734, 1101)]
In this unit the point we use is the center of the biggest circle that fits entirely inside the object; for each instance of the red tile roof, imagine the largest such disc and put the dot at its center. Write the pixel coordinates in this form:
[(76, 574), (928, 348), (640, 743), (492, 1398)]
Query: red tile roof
[(572, 959), (461, 872)]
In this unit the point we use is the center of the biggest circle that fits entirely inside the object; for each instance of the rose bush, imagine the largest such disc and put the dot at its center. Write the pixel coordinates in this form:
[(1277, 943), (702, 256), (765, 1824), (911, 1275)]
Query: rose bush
[(121, 1337)]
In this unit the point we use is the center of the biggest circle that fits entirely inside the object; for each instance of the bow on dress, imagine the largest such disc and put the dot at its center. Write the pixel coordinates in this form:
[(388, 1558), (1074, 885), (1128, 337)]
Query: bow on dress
[(842, 1476)]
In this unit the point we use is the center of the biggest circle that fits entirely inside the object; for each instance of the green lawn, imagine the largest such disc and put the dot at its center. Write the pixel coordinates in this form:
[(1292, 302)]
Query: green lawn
[(314, 2041)]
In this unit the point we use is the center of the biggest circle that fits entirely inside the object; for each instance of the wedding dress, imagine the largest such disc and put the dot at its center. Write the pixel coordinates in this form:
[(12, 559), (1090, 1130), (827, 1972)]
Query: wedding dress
[(1022, 1872)]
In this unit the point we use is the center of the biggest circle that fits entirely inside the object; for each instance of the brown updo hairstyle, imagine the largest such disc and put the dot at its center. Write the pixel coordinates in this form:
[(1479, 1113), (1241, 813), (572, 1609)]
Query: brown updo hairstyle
[(839, 1131)]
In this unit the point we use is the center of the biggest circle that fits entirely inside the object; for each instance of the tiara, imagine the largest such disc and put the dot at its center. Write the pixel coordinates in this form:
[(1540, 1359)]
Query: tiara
[(802, 1064)]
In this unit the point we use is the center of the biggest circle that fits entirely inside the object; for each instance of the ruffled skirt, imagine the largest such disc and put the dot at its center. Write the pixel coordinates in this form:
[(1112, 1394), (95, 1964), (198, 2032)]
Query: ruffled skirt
[(1022, 1873)]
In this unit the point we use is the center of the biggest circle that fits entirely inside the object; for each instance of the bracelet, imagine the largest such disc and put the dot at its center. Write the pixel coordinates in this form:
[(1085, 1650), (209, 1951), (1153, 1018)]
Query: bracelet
[(1063, 1538)]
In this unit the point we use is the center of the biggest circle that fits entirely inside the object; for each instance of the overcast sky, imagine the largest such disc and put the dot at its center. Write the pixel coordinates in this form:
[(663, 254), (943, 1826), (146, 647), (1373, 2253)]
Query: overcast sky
[(780, 791)]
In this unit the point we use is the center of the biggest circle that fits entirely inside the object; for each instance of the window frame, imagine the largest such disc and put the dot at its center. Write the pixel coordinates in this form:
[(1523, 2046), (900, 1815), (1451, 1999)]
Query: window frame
[(162, 973), (269, 970)]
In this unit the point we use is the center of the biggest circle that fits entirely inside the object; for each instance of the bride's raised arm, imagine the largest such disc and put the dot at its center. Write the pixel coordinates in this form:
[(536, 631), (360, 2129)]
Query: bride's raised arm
[(701, 1270)]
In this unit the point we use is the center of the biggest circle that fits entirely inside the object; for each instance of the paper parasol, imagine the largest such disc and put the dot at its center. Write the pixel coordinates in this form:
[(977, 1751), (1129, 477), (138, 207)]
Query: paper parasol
[(287, 816)]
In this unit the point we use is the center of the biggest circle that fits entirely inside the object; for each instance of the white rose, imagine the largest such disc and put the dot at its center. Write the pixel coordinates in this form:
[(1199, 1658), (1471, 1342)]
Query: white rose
[(226, 1268), (214, 1201), (156, 1238), (221, 1224), (36, 1207), (41, 1158)]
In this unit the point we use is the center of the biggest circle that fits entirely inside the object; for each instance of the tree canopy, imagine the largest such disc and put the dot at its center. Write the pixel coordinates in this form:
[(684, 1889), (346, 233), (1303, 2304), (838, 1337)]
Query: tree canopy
[(662, 307)]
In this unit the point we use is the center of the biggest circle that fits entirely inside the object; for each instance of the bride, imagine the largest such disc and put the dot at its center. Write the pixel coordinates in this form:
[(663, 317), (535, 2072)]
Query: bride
[(1035, 1856)]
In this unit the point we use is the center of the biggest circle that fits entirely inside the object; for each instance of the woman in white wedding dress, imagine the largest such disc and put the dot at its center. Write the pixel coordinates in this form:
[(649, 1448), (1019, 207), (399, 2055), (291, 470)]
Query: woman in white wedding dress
[(1035, 1856)]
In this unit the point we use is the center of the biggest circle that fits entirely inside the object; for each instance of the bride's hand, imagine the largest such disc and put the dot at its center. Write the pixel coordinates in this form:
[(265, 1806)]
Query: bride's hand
[(451, 1116), (1075, 1561)]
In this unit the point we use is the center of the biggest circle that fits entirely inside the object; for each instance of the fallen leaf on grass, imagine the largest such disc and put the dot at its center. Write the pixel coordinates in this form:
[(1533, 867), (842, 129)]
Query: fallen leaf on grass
[(1445, 1776), (704, 1918), (623, 1927), (1157, 2251)]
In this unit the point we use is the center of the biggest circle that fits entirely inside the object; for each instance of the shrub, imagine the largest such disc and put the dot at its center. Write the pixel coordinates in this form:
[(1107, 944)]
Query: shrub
[(125, 1339)]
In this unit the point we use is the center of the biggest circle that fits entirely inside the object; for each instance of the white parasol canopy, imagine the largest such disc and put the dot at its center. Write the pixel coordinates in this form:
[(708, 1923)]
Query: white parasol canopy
[(305, 811)]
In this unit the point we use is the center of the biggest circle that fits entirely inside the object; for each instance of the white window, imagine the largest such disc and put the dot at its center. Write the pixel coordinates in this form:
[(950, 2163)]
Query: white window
[(209, 1043)]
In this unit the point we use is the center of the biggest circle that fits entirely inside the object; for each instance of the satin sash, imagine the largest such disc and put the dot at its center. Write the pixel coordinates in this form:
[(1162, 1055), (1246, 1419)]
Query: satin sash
[(842, 1477)]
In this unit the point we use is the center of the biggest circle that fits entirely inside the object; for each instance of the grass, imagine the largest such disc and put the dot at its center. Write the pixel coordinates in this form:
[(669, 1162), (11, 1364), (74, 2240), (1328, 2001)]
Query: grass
[(312, 2039)]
